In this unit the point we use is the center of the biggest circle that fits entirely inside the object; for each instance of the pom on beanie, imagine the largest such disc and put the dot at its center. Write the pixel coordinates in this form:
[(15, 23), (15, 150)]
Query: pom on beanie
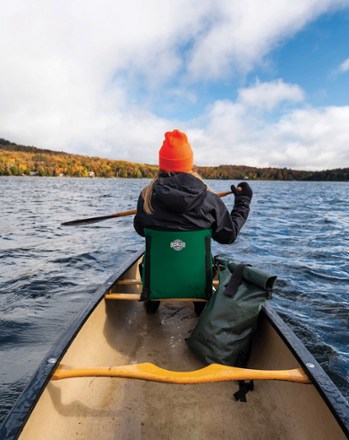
[(176, 153)]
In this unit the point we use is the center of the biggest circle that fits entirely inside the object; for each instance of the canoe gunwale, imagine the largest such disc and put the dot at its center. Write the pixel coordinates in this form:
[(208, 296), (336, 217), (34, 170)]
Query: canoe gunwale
[(336, 402), (19, 414)]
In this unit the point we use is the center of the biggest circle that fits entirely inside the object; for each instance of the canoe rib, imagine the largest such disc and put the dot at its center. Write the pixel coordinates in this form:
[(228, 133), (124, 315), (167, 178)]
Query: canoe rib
[(211, 373)]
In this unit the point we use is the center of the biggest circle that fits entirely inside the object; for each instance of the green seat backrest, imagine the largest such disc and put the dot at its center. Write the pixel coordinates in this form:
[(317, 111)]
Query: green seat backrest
[(177, 264)]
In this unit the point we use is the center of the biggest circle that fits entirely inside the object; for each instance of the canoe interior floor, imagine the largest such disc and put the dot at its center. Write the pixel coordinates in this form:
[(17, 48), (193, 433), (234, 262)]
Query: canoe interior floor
[(119, 333)]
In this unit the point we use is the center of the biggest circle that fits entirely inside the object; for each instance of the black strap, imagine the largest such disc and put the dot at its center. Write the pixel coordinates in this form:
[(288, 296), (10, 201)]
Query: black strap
[(235, 281), (244, 388), (146, 278), (208, 268)]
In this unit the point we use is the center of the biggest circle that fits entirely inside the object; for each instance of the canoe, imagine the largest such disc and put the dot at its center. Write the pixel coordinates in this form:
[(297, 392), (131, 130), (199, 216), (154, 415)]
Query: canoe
[(120, 373)]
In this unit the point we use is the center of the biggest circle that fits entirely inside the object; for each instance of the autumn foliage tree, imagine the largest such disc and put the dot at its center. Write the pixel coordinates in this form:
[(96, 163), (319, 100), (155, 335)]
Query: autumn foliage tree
[(19, 160)]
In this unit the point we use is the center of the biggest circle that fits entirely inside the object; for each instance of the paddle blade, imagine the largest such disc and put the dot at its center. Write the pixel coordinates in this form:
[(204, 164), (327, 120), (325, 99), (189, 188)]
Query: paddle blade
[(86, 221), (89, 221)]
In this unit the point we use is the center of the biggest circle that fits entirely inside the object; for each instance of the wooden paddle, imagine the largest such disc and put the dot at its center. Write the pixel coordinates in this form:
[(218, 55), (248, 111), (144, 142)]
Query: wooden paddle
[(211, 373), (89, 221)]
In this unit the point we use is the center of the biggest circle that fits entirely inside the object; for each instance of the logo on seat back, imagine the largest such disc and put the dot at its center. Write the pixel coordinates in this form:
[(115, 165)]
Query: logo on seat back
[(177, 245)]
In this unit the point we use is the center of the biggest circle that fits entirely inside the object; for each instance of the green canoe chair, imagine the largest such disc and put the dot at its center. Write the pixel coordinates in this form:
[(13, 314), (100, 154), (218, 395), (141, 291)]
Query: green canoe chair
[(177, 265)]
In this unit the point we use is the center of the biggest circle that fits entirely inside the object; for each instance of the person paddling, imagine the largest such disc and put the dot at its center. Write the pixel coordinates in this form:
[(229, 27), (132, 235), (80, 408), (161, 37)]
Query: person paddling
[(177, 199)]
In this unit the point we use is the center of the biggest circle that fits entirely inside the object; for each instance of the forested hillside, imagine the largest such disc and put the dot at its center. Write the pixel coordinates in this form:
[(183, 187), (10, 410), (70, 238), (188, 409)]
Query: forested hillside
[(19, 160)]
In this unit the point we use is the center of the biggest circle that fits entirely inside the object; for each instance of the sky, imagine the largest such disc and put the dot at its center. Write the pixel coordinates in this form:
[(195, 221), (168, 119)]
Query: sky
[(257, 83)]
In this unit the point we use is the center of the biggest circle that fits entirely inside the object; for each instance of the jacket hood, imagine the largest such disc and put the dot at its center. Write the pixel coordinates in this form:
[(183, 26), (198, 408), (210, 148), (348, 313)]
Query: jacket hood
[(180, 193)]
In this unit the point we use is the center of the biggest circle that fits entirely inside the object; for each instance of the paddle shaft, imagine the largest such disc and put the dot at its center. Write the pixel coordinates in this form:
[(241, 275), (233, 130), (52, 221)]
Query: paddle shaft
[(91, 220)]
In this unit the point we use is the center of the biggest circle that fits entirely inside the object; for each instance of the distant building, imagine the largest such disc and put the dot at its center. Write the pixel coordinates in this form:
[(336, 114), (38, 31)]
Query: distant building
[(91, 174)]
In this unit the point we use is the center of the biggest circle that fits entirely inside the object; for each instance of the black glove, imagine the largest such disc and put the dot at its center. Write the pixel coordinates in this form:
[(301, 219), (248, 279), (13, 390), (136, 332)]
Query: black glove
[(243, 189)]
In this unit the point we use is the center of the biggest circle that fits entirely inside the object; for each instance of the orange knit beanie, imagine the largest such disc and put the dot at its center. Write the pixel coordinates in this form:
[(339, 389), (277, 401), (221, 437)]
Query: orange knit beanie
[(176, 153)]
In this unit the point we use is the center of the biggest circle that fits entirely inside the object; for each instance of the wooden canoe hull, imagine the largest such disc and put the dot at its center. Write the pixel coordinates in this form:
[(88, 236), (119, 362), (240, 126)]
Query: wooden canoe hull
[(117, 332)]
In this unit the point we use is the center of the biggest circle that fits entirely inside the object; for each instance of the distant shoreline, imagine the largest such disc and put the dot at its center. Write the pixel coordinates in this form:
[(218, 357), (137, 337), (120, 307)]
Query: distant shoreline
[(148, 178), (20, 160)]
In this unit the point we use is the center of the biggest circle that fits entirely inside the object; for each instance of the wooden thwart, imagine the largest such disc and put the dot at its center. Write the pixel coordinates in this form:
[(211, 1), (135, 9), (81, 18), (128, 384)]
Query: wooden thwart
[(129, 282), (211, 373), (123, 296), (137, 297), (136, 282)]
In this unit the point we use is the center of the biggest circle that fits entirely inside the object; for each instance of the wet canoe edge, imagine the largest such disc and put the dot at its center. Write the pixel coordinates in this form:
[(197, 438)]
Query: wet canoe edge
[(334, 399), (17, 417), (19, 414)]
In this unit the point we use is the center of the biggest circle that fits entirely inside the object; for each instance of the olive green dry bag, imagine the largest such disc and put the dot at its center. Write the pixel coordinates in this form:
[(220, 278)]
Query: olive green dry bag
[(226, 326)]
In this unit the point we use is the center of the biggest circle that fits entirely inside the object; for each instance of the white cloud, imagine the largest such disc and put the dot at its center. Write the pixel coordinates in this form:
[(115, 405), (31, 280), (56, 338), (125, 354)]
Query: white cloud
[(305, 138), (245, 31), (270, 95), (81, 76), (311, 138), (344, 67)]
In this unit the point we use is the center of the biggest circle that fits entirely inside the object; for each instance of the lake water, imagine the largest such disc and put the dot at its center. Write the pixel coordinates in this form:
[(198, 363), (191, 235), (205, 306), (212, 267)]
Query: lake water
[(297, 231)]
